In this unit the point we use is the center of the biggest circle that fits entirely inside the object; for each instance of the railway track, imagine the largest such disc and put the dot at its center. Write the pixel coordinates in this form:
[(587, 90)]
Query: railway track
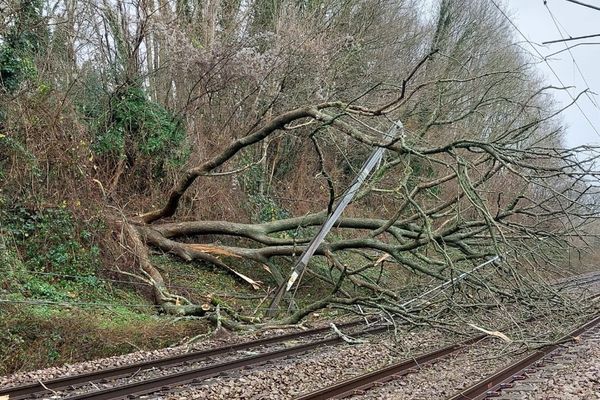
[(488, 388), (577, 281), (363, 382), (72, 382), (492, 386), (164, 374)]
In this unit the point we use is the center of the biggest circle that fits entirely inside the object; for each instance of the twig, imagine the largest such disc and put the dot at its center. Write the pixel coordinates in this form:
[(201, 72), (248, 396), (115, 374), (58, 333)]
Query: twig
[(344, 337), (46, 387), (196, 338), (218, 314)]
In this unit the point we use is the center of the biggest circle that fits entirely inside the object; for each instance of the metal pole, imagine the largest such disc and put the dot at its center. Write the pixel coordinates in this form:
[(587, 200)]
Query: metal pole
[(314, 244)]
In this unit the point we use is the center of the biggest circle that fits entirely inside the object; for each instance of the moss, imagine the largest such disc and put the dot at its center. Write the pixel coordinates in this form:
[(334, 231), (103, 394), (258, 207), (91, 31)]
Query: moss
[(122, 317), (201, 282), (45, 257), (40, 336)]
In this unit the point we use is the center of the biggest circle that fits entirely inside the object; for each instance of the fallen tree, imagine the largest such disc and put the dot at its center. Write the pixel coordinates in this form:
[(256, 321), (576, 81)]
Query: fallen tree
[(551, 199), (479, 171)]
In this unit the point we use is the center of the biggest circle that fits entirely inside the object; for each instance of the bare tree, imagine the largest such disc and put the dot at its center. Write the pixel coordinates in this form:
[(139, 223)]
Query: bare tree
[(272, 93)]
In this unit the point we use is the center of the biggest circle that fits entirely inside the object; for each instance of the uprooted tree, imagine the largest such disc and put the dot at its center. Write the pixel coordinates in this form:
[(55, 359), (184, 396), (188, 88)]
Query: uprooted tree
[(278, 92), (548, 201)]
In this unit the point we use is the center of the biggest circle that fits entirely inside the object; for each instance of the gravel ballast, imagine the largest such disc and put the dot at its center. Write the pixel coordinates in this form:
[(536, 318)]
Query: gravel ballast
[(287, 378), (574, 377)]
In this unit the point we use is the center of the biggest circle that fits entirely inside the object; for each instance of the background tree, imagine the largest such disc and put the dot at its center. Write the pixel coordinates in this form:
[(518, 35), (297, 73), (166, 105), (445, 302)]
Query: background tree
[(271, 108)]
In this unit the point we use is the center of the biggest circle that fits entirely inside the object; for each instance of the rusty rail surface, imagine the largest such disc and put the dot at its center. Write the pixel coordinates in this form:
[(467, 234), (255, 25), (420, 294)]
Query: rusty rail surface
[(198, 374), (355, 385), (46, 387), (488, 387), (583, 279)]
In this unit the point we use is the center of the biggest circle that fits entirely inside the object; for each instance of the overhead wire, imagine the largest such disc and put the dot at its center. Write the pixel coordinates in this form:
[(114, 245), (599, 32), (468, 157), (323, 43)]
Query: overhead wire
[(571, 47), (571, 38), (547, 64), (583, 4), (558, 25)]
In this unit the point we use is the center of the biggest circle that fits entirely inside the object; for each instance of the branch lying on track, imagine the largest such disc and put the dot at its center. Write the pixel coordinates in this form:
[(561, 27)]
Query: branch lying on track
[(449, 207), (344, 337)]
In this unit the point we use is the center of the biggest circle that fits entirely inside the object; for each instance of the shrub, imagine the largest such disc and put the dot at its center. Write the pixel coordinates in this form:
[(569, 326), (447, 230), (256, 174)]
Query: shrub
[(137, 129), (19, 44), (50, 242)]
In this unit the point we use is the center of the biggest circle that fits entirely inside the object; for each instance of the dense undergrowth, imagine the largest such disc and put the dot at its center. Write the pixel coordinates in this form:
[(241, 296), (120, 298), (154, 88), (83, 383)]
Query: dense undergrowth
[(41, 336), (59, 306), (63, 305)]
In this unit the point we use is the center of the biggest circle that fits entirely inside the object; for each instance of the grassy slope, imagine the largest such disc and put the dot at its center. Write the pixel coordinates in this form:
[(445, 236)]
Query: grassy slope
[(50, 256), (46, 258)]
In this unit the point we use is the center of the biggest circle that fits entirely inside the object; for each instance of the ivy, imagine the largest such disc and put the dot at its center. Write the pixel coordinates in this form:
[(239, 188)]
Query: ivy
[(139, 129), (262, 207), (49, 241), (266, 209), (19, 44)]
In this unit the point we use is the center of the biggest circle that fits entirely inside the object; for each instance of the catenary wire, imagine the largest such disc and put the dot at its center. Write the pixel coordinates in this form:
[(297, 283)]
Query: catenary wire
[(571, 38), (547, 63), (560, 32), (582, 4)]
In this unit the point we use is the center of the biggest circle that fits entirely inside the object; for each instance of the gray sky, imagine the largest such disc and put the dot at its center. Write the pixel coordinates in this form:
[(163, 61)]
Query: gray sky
[(534, 20)]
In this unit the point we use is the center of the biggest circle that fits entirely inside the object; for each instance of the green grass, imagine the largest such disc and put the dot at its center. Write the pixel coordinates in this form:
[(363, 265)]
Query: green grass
[(38, 336), (201, 282), (95, 317), (35, 265)]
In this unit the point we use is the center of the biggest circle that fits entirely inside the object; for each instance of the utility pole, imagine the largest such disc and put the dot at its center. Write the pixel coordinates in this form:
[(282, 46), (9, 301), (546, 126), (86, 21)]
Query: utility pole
[(300, 266)]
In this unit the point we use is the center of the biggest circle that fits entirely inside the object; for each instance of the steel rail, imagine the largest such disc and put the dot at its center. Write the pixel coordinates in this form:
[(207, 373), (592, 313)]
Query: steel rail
[(585, 279), (57, 384), (487, 387), (198, 374), (354, 385)]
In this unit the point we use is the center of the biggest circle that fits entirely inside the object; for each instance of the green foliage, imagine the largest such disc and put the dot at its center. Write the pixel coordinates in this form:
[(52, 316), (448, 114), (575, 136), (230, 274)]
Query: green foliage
[(19, 44), (288, 160), (49, 241), (40, 289), (265, 14), (266, 209), (252, 177), (91, 96), (11, 265), (14, 68), (43, 257), (137, 128), (420, 171), (263, 207), (39, 336)]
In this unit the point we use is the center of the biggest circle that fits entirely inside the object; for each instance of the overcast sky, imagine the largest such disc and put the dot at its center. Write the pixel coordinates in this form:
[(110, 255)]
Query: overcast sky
[(534, 20)]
